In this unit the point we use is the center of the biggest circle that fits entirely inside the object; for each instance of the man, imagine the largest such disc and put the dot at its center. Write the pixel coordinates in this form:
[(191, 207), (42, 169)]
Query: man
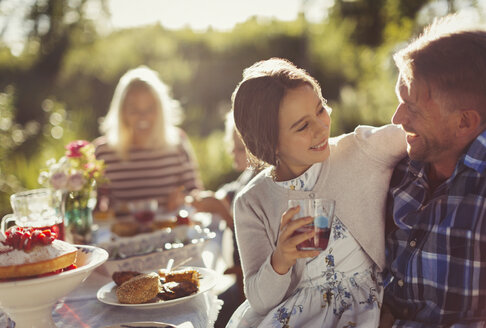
[(436, 211)]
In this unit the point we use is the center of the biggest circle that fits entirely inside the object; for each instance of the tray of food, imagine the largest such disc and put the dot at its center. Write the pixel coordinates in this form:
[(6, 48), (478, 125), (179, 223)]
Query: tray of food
[(158, 288), (146, 251)]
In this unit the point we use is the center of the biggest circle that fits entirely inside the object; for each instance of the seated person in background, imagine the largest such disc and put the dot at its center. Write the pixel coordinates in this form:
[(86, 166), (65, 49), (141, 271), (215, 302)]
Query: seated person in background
[(240, 163), (146, 155), (221, 202)]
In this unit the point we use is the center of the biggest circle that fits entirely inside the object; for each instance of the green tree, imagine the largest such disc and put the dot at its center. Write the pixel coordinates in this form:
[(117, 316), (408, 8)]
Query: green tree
[(54, 26), (63, 81)]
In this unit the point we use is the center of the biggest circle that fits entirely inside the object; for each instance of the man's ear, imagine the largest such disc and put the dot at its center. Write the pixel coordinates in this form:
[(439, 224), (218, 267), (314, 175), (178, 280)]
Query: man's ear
[(469, 122)]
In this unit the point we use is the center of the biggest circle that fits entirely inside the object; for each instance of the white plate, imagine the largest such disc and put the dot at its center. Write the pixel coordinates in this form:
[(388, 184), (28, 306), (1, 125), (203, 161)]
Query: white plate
[(208, 280), (142, 324), (149, 324)]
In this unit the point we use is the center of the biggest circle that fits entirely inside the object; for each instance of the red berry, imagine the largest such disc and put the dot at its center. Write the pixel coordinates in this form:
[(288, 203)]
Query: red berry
[(23, 239), (28, 246), (16, 241), (71, 267)]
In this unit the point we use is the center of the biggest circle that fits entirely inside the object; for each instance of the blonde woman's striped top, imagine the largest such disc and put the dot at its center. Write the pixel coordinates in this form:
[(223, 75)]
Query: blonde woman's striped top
[(148, 173)]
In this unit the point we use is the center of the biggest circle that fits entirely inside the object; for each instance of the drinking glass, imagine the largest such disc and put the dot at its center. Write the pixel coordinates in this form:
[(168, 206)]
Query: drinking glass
[(143, 210), (322, 210)]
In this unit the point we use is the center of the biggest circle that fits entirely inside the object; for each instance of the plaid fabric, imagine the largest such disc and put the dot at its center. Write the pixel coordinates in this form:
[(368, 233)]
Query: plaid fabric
[(437, 256)]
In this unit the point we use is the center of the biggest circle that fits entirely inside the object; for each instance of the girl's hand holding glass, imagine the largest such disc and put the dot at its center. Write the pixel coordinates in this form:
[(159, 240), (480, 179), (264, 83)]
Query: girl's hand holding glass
[(322, 210), (286, 253)]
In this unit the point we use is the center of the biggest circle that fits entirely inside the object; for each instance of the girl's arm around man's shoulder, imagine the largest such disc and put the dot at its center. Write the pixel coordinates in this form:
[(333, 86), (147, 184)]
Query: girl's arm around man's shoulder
[(385, 144)]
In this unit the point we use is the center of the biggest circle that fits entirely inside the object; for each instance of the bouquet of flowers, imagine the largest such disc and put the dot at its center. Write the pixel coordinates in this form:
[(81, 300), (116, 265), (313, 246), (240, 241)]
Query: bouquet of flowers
[(76, 176), (77, 170)]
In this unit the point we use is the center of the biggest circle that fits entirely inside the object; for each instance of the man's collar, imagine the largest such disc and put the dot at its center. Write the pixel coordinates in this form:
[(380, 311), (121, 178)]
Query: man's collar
[(475, 157), (417, 168)]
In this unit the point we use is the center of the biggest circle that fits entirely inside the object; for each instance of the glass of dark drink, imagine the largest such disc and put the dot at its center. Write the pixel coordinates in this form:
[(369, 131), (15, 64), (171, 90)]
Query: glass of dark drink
[(322, 210), (143, 210)]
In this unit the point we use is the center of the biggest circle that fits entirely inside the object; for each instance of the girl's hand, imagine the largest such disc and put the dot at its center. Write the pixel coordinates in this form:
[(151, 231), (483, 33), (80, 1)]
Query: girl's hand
[(286, 253)]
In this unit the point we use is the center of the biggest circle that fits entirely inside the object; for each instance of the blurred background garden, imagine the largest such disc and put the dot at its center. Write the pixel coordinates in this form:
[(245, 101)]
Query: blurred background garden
[(61, 59)]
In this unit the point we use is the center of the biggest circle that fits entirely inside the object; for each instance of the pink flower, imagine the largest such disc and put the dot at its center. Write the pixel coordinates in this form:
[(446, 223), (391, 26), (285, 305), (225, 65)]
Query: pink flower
[(59, 180), (74, 148), (91, 169), (77, 170), (76, 181)]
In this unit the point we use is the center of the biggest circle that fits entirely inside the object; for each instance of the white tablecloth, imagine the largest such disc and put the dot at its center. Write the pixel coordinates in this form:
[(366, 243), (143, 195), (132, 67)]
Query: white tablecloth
[(81, 308)]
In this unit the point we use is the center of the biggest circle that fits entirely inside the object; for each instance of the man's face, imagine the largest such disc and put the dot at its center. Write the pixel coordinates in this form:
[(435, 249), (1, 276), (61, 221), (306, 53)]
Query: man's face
[(429, 126)]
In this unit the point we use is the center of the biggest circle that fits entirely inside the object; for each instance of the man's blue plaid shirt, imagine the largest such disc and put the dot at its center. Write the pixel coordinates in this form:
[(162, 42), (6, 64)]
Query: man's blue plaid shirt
[(437, 256)]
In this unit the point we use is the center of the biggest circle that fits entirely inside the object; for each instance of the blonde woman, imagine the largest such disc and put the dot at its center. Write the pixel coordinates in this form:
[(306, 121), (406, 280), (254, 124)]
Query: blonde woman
[(146, 155)]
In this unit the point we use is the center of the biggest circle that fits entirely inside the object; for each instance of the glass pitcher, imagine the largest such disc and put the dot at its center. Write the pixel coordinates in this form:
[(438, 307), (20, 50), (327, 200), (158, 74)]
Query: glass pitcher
[(38, 209)]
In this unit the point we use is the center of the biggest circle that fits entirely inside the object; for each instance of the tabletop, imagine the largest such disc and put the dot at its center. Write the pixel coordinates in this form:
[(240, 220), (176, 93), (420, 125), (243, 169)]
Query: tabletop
[(81, 308)]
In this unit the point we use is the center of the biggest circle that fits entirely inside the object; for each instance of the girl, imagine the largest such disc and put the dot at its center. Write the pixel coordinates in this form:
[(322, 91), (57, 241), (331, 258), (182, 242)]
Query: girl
[(284, 123)]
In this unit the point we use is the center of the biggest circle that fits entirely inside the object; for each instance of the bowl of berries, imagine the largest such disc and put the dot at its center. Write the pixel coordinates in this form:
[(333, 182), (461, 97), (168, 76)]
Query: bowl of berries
[(37, 269)]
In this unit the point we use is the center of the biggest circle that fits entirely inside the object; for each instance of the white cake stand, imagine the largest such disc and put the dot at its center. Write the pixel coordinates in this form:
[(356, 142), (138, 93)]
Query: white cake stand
[(29, 302)]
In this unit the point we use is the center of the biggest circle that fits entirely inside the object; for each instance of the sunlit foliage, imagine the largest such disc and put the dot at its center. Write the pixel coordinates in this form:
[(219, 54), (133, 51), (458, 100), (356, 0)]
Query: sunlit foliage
[(60, 85)]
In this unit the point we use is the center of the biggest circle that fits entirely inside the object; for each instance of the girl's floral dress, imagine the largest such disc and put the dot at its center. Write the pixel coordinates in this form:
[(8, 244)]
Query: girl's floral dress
[(339, 288)]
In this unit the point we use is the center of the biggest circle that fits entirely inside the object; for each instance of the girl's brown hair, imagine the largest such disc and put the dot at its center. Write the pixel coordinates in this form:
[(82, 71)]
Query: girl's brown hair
[(256, 102)]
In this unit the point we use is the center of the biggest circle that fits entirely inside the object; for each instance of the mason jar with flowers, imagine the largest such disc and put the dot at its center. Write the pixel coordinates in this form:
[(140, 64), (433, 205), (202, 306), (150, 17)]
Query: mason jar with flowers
[(76, 175)]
